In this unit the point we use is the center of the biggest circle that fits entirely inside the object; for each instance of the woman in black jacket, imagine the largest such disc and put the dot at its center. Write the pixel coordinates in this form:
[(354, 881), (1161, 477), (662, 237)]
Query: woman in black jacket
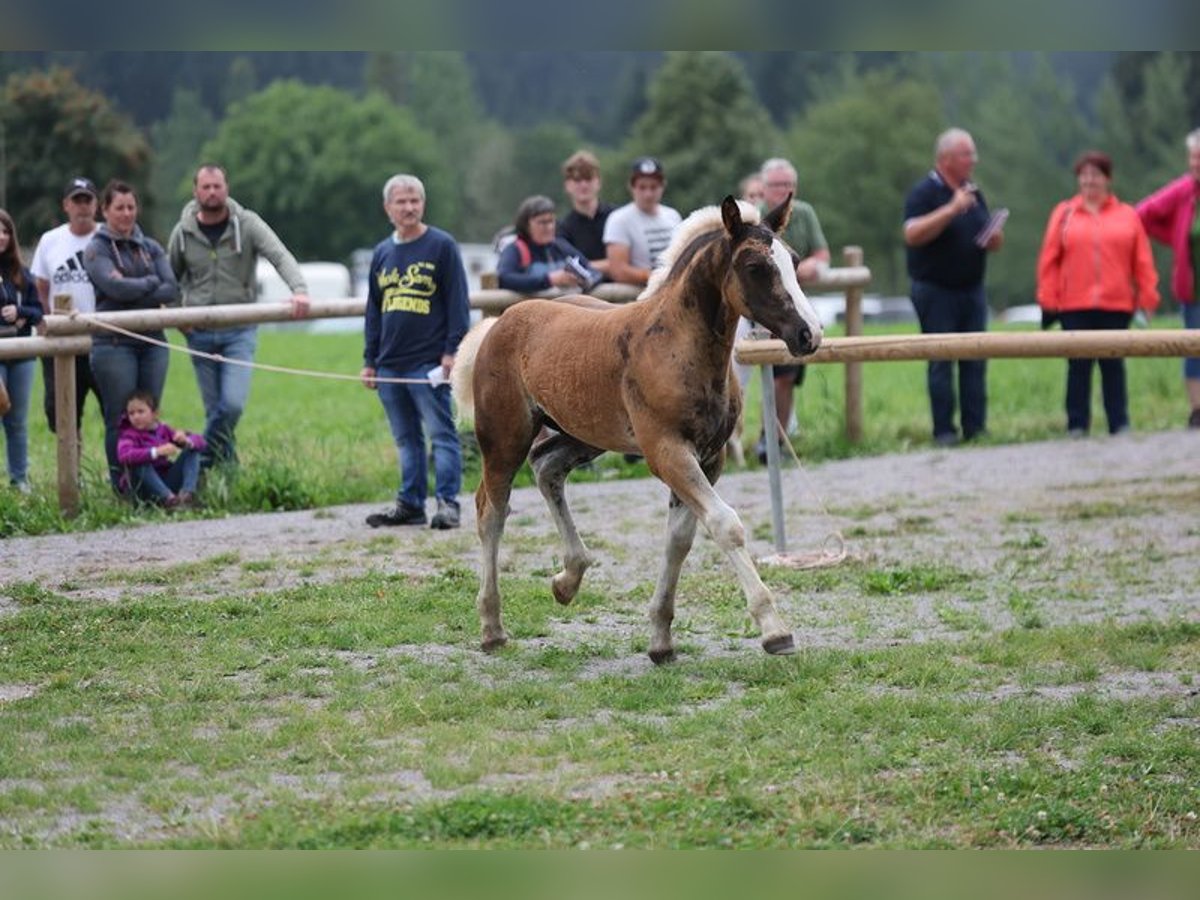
[(128, 271), (20, 310)]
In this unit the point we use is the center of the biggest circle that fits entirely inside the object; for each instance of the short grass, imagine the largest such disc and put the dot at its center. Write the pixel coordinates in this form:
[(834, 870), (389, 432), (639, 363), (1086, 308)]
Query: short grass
[(309, 442), (360, 714)]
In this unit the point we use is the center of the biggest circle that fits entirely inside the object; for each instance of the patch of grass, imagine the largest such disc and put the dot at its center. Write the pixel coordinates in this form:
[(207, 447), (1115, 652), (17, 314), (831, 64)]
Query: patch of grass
[(914, 579), (27, 593)]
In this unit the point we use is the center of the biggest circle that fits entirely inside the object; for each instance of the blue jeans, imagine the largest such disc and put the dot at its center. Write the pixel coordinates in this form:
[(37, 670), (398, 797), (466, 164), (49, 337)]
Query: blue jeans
[(17, 375), (1191, 319), (1112, 373), (121, 366), (941, 311), (408, 406), (154, 487), (224, 388)]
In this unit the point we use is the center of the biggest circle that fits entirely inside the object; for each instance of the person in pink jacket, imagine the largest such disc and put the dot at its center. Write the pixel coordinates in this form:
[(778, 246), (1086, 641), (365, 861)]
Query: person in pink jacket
[(1170, 217), (1095, 270), (161, 463)]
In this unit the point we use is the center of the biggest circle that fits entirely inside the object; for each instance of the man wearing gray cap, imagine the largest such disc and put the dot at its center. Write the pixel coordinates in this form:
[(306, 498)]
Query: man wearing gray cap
[(58, 270), (636, 233)]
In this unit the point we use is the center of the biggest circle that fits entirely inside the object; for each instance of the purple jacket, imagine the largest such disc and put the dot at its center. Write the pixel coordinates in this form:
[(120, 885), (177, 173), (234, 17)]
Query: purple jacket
[(134, 445), (1167, 216)]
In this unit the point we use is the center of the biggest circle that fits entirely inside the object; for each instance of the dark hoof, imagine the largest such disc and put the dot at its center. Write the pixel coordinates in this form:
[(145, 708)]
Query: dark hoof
[(660, 657), (780, 646), (560, 595), (493, 644)]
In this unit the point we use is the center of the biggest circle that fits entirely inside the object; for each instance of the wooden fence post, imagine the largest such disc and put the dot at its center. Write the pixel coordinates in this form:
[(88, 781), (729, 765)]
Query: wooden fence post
[(854, 326), (65, 426)]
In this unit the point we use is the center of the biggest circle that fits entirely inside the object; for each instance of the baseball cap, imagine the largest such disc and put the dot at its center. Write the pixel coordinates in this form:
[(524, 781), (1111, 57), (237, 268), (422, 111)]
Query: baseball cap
[(646, 167), (79, 186)]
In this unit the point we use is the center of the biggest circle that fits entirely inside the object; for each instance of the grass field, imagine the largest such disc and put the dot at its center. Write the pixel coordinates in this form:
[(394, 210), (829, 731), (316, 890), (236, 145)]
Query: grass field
[(308, 442), (355, 711)]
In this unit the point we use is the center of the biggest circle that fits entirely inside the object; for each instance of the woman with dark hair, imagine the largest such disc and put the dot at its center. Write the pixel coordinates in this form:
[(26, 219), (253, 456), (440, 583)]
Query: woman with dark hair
[(20, 310), (538, 260), (128, 271), (1172, 217), (1094, 271)]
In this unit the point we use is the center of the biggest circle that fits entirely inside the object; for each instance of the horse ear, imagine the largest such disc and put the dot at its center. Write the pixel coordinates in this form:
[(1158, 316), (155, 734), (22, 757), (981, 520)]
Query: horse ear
[(732, 217), (777, 219)]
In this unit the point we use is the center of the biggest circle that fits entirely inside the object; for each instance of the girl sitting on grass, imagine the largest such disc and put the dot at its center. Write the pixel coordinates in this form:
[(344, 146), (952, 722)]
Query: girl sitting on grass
[(161, 465)]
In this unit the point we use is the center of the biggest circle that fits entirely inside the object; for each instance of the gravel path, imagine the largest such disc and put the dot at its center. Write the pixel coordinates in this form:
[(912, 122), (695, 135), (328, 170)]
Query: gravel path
[(1106, 528)]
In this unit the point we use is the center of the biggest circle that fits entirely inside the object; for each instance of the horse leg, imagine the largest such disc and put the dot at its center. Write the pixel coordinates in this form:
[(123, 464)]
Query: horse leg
[(678, 469), (681, 531), (503, 447), (552, 460)]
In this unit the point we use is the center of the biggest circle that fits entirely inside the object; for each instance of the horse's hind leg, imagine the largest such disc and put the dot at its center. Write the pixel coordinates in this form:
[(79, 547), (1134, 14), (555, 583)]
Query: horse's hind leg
[(503, 446), (552, 460), (681, 531)]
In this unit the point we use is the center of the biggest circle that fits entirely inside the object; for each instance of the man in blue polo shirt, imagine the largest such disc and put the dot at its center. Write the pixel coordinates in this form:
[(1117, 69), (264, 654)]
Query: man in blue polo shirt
[(945, 218)]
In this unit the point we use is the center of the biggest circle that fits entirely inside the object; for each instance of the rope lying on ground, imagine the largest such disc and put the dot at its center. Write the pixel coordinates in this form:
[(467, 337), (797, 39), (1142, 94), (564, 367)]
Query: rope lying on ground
[(250, 364), (828, 555)]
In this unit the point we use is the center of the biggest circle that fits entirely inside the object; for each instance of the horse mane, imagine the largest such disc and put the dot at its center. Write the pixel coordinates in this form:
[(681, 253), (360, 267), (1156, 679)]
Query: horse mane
[(699, 222)]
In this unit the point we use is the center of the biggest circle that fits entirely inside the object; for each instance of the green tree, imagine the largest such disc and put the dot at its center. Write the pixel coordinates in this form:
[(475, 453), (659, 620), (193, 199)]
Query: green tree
[(53, 128), (313, 160), (1029, 129), (706, 125), (176, 141), (857, 153), (240, 82)]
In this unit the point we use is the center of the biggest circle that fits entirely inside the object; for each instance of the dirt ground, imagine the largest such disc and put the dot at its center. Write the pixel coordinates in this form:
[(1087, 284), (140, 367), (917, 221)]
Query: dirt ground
[(1105, 528)]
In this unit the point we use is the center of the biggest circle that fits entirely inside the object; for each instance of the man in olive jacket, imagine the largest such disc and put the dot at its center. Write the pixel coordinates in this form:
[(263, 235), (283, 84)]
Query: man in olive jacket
[(214, 250)]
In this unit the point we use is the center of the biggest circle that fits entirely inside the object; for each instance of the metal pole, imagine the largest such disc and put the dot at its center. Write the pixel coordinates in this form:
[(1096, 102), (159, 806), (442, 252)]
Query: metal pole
[(771, 440)]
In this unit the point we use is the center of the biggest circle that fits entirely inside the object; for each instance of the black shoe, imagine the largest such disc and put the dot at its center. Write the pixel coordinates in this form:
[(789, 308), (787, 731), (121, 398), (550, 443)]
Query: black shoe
[(1194, 418), (946, 439), (400, 514), (446, 516)]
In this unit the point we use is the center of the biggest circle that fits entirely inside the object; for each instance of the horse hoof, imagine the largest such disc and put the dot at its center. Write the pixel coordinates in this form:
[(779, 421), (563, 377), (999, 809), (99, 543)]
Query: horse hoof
[(561, 595), (660, 657), (490, 645), (780, 646)]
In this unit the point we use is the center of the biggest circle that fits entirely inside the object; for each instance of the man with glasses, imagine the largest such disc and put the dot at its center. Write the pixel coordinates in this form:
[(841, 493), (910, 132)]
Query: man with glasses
[(804, 235), (949, 233), (58, 270), (583, 226)]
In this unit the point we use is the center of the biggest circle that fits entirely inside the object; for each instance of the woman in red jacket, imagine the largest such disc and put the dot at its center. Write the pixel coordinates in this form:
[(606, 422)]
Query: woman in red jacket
[(1094, 271), (1169, 215)]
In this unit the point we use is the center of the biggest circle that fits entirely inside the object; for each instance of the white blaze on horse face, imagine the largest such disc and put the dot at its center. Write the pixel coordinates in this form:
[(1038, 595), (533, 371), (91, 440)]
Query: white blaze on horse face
[(787, 272)]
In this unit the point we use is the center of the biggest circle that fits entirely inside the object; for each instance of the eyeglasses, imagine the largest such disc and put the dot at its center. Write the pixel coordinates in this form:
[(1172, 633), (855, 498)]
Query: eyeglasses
[(781, 184), (542, 221), (82, 198)]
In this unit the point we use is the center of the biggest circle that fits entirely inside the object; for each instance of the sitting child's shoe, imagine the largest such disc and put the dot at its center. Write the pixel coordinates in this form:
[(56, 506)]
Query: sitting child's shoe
[(447, 515)]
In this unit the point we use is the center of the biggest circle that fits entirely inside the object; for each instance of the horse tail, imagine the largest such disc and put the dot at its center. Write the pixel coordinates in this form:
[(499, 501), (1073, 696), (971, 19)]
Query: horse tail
[(462, 376)]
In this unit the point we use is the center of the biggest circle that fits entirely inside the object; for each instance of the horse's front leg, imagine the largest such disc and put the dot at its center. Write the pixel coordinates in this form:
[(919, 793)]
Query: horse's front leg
[(681, 531), (674, 464)]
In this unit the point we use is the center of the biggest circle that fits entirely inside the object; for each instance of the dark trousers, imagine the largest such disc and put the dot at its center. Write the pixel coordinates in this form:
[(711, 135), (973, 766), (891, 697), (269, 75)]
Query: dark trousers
[(942, 311), (83, 383), (1112, 374)]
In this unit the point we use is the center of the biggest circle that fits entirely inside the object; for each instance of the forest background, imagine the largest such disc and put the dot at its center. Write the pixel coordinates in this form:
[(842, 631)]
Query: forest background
[(309, 137)]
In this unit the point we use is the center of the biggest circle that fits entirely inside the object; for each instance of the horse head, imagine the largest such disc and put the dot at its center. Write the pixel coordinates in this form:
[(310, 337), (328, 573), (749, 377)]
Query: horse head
[(761, 283)]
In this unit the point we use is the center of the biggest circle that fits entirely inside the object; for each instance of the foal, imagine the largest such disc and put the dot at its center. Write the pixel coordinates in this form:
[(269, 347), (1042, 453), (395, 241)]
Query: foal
[(652, 377)]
